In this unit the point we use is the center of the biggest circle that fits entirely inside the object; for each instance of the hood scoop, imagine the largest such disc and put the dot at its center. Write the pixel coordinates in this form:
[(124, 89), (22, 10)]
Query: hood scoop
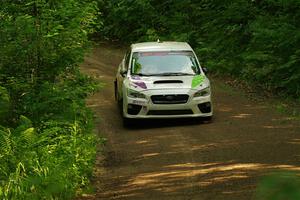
[(167, 81)]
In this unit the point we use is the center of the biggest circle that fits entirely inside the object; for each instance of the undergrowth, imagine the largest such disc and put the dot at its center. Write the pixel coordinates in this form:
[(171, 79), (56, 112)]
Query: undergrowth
[(47, 144), (51, 157)]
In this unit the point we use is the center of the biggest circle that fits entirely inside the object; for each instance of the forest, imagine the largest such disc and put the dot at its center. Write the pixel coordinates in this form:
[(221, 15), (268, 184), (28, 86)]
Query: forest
[(256, 41), (47, 148), (47, 144)]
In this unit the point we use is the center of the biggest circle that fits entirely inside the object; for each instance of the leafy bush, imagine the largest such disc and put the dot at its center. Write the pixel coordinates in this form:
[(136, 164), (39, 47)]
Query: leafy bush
[(52, 157), (47, 147), (279, 185), (48, 163)]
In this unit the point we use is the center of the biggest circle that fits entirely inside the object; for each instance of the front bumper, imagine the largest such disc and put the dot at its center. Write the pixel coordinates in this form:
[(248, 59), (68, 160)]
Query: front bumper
[(145, 108)]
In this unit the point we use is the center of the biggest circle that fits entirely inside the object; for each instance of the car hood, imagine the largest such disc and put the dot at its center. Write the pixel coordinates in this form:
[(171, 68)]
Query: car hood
[(168, 82)]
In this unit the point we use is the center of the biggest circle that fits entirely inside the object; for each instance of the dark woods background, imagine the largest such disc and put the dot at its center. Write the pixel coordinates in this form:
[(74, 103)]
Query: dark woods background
[(256, 40)]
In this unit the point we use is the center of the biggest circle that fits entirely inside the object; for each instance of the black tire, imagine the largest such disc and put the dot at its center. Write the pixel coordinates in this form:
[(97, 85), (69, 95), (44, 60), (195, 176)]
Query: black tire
[(116, 90), (117, 99)]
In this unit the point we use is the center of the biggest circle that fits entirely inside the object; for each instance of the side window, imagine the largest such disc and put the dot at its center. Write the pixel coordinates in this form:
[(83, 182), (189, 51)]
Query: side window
[(127, 59)]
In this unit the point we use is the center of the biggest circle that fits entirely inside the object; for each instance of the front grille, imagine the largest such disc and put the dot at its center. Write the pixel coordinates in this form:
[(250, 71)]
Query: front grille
[(170, 112), (170, 99)]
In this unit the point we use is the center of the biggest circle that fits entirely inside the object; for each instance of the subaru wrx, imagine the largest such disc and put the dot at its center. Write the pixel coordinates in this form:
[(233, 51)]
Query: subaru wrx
[(162, 80)]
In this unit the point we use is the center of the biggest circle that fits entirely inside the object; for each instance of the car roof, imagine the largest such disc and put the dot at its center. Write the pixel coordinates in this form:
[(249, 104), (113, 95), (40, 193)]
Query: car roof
[(161, 46)]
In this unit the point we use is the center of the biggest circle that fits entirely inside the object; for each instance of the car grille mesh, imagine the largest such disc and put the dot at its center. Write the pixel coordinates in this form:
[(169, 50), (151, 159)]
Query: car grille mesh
[(170, 99)]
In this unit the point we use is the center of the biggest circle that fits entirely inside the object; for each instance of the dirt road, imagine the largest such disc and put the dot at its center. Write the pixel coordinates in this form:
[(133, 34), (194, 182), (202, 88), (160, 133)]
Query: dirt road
[(186, 159)]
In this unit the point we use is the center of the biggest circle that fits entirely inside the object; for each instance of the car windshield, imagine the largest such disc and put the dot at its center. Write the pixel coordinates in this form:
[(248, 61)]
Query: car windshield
[(167, 63)]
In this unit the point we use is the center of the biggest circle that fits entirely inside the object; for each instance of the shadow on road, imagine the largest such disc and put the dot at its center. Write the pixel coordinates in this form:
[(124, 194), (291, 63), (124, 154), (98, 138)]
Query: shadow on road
[(137, 124)]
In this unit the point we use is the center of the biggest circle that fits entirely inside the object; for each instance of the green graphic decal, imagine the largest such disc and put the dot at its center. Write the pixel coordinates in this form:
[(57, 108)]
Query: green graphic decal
[(197, 80)]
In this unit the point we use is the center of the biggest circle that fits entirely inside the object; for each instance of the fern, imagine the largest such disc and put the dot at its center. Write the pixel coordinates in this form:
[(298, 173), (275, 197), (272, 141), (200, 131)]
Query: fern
[(29, 136), (6, 142), (23, 124)]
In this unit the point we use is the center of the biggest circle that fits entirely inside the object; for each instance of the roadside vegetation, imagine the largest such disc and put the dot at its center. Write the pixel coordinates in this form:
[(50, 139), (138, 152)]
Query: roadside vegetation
[(47, 148)]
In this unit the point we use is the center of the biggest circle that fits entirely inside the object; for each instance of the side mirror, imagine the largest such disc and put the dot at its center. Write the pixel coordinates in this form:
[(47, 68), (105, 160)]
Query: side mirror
[(205, 70)]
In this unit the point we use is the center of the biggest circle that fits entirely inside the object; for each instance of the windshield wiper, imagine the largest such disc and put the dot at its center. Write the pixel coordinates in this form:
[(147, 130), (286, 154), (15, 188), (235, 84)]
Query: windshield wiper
[(140, 74)]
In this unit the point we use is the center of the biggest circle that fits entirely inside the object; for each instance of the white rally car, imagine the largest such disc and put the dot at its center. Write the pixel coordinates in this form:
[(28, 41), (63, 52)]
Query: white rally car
[(162, 80)]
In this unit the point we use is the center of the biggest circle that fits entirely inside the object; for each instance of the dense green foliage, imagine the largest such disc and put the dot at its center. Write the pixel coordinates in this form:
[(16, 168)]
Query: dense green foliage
[(279, 185), (46, 143), (255, 40)]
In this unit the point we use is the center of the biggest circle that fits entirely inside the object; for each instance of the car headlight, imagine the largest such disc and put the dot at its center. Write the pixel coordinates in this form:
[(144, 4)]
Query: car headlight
[(135, 94), (203, 93)]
